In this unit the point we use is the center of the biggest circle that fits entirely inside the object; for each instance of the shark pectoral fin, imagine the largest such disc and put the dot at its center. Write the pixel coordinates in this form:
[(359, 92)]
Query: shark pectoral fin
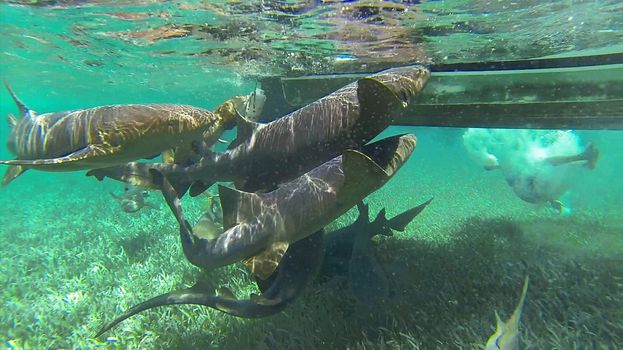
[(90, 151), (198, 187), (264, 264), (238, 206), (360, 172), (400, 221), (12, 172)]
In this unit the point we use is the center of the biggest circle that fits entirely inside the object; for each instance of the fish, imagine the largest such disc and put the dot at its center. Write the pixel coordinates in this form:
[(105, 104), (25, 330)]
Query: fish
[(506, 336), (133, 199), (103, 136), (260, 226), (263, 155), (347, 250)]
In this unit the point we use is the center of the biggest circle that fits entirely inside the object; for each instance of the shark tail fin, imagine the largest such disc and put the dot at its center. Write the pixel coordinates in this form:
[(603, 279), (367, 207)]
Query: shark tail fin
[(400, 221), (197, 294), (513, 321), (591, 154), (23, 109), (238, 206), (13, 172)]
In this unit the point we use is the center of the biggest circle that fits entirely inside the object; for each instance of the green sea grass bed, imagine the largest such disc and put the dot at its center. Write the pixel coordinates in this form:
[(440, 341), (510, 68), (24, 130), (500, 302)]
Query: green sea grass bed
[(71, 260)]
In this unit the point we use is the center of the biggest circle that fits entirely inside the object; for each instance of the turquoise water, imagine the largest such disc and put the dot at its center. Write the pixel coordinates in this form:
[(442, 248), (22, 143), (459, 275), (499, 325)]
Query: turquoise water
[(72, 259)]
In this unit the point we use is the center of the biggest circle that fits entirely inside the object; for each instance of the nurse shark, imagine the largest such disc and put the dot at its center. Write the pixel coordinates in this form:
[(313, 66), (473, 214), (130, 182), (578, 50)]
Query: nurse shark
[(293, 215), (264, 155), (106, 136)]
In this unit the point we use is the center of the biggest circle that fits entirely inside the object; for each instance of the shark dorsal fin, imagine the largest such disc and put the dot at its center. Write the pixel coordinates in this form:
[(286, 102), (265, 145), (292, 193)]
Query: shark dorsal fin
[(23, 109), (238, 206), (245, 128), (381, 216), (400, 221), (360, 172)]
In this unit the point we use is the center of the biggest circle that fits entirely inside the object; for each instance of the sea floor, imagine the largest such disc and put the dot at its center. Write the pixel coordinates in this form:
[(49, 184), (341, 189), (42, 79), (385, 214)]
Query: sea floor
[(71, 260)]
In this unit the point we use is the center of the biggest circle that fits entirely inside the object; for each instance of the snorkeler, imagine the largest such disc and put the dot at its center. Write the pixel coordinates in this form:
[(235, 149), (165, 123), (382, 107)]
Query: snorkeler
[(539, 165)]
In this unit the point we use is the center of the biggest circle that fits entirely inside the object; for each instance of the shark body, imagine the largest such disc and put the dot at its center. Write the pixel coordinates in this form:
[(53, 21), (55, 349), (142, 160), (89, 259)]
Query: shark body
[(265, 155), (293, 215), (299, 266), (266, 223), (103, 136)]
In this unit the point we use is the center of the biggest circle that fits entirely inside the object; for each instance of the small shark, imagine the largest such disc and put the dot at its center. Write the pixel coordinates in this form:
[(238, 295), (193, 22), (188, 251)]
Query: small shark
[(264, 155), (506, 336), (347, 251), (133, 199), (260, 226), (103, 136)]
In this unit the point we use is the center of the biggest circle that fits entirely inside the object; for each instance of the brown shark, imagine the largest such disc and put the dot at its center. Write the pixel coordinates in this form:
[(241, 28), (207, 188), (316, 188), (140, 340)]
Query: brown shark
[(347, 251), (264, 155), (104, 136), (133, 199), (263, 223), (295, 212)]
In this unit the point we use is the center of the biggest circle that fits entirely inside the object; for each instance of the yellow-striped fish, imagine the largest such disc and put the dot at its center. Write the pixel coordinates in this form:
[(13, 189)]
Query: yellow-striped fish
[(506, 336)]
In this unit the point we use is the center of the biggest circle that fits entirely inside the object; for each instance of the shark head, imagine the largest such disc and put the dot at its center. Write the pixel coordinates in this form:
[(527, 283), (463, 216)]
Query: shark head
[(403, 82)]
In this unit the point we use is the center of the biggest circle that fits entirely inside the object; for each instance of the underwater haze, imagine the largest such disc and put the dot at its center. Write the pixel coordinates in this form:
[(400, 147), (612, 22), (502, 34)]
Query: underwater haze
[(507, 203)]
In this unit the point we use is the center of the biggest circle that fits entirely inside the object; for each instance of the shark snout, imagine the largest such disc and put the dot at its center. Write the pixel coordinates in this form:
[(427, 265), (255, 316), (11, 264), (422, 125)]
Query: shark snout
[(405, 82)]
